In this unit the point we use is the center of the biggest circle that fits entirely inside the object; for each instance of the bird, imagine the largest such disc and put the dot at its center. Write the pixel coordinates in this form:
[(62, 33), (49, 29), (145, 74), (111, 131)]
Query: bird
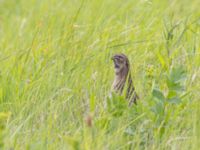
[(123, 78)]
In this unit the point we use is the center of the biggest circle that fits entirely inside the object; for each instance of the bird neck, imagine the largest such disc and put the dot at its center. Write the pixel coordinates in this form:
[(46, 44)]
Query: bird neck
[(122, 74)]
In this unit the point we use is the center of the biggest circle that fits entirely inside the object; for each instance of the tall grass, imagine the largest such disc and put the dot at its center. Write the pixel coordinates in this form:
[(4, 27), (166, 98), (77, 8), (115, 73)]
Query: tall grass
[(56, 74)]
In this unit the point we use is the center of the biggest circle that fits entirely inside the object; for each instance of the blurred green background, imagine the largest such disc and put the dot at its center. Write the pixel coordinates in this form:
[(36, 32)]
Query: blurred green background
[(56, 74)]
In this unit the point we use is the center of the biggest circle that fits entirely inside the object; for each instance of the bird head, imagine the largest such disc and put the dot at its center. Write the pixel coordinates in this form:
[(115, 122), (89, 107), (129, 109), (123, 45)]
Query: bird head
[(121, 63)]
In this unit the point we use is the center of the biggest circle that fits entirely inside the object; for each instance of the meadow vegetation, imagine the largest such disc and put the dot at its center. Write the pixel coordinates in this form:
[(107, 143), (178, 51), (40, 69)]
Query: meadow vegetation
[(56, 73)]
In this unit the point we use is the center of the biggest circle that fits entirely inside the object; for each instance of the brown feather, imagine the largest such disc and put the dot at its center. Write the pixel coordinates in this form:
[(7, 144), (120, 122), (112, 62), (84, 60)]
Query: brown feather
[(121, 77)]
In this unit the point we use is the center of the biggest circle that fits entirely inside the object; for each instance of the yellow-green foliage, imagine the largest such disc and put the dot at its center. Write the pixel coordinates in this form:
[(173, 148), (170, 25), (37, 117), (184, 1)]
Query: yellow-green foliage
[(56, 73), (3, 119)]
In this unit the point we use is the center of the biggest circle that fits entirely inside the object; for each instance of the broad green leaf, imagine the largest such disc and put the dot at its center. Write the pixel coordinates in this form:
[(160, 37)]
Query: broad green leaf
[(174, 86), (174, 100), (177, 74), (158, 109), (158, 94), (171, 94)]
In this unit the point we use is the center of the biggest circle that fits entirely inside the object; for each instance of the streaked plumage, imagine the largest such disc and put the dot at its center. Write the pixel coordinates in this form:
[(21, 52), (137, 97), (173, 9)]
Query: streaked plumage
[(123, 78)]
